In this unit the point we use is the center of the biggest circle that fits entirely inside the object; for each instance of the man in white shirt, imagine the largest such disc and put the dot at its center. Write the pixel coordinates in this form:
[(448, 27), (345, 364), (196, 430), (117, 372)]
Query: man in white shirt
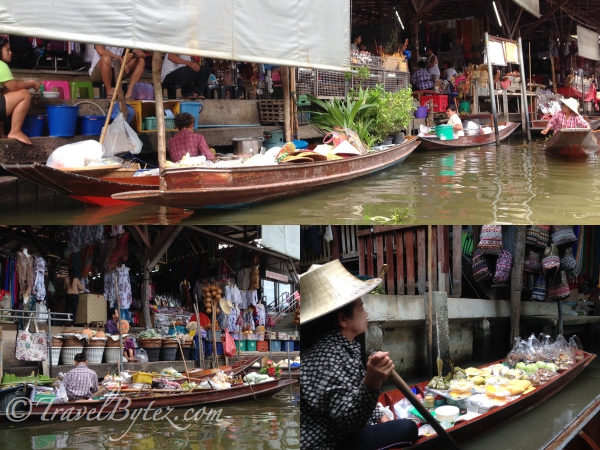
[(183, 71), (103, 62)]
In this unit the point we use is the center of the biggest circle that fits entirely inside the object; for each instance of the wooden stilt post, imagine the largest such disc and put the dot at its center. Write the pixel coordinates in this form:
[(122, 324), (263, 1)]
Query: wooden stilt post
[(429, 311), (160, 115), (517, 281), (285, 80), (524, 102), (491, 81)]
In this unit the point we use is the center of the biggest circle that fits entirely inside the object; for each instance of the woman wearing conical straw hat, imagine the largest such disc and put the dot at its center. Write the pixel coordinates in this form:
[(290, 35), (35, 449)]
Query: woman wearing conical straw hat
[(567, 117), (338, 394)]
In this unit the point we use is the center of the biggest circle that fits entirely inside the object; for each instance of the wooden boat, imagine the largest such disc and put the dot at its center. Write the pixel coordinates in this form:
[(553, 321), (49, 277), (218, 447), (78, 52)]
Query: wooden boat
[(538, 126), (463, 430), (433, 143), (160, 398), (582, 433), (93, 186), (230, 188), (572, 143), (234, 369)]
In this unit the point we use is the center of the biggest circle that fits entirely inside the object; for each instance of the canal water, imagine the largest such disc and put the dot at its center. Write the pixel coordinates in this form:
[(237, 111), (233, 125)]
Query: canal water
[(515, 183), (272, 423)]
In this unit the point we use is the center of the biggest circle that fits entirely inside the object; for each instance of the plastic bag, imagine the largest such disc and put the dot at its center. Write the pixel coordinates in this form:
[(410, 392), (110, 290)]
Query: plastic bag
[(547, 350), (77, 154), (515, 356), (120, 138), (42, 310), (141, 355), (229, 345), (61, 392), (576, 348), (401, 409), (562, 354), (386, 411)]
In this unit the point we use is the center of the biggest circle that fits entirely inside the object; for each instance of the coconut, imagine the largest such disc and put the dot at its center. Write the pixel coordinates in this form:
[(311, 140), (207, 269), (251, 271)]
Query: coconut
[(124, 326), (100, 334), (87, 332)]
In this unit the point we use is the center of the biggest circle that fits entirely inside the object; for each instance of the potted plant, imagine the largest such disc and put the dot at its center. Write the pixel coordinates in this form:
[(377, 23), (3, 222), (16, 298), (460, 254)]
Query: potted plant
[(392, 113)]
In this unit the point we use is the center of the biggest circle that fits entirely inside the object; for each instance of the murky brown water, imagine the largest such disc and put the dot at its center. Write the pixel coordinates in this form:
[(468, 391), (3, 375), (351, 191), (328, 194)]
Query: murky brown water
[(515, 183), (272, 423)]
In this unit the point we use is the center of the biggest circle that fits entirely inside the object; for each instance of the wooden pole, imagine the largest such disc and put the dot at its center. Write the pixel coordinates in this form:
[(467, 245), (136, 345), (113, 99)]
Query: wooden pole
[(114, 97), (181, 350), (285, 80), (294, 104), (529, 63), (120, 360), (517, 281), (214, 337), (430, 303), (160, 115), (553, 74), (491, 81)]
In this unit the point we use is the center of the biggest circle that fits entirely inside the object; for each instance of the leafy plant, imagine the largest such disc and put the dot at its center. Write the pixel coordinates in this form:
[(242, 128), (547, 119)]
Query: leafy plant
[(393, 111), (395, 219)]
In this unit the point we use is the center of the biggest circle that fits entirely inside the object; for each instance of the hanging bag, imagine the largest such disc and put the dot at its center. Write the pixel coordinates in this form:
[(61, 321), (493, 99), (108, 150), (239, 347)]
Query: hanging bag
[(229, 344), (503, 266), (538, 236), (491, 239), (533, 261), (558, 288), (31, 346), (567, 262), (551, 261), (481, 271), (562, 234)]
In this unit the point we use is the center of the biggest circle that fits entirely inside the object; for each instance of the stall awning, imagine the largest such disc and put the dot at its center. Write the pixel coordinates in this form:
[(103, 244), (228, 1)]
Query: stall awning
[(587, 43), (302, 33)]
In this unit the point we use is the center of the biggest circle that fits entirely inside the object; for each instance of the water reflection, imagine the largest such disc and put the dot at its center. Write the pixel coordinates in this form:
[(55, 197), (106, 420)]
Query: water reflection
[(269, 424), (516, 183)]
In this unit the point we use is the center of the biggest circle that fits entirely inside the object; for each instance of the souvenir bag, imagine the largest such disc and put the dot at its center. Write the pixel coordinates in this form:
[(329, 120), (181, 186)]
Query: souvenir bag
[(502, 267), (481, 271), (31, 346), (538, 236), (567, 262), (558, 288), (551, 261), (229, 345), (540, 289), (533, 261), (562, 234), (491, 239)]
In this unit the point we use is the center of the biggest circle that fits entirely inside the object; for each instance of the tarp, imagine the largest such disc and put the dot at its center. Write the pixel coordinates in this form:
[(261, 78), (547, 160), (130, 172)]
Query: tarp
[(302, 33), (531, 6), (284, 239), (587, 43)]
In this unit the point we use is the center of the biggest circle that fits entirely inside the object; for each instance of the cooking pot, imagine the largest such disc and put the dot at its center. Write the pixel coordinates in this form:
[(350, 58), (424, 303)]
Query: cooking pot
[(249, 146)]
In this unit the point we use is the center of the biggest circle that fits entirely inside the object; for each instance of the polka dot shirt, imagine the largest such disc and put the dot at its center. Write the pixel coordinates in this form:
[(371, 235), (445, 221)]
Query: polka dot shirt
[(334, 400)]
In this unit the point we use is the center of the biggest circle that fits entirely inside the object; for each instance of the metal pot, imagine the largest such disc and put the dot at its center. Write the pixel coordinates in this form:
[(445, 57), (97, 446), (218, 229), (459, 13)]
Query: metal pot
[(247, 146)]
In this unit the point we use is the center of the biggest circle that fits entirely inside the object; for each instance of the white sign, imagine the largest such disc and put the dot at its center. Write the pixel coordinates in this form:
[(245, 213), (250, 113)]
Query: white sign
[(276, 276), (587, 44)]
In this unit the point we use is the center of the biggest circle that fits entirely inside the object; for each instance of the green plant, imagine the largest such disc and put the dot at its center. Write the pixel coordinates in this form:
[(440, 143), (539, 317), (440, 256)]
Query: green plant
[(392, 113), (395, 219)]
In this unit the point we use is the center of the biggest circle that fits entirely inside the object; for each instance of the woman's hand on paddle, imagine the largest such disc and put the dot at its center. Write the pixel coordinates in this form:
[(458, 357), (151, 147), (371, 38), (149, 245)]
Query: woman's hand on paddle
[(379, 368), (545, 131)]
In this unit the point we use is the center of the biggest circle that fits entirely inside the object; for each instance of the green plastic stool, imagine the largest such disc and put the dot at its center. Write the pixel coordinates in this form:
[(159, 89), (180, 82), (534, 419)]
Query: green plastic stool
[(84, 87)]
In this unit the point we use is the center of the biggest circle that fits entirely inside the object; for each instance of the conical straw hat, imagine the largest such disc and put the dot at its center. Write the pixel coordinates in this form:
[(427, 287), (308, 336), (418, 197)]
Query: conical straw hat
[(225, 305), (572, 103), (325, 288)]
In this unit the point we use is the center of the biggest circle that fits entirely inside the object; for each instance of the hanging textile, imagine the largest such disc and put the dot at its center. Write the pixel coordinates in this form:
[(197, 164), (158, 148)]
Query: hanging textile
[(109, 288), (232, 319), (87, 260), (25, 270), (120, 252), (39, 287), (262, 314), (124, 287)]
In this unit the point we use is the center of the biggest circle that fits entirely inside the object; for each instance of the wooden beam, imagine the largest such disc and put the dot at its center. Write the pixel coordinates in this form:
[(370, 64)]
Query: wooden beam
[(423, 11), (516, 24), (505, 24), (143, 233), (153, 255), (544, 17), (36, 240)]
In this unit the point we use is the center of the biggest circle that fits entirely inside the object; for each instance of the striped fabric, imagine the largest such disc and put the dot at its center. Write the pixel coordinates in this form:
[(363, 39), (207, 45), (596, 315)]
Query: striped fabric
[(538, 236), (503, 266), (491, 239), (481, 271)]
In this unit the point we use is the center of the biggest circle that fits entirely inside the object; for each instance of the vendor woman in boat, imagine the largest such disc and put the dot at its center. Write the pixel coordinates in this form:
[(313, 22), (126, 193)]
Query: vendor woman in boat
[(567, 117), (338, 395), (454, 120), (186, 141)]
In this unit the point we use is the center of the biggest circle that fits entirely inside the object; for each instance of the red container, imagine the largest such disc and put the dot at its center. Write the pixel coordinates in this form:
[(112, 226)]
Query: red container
[(262, 346), (440, 102)]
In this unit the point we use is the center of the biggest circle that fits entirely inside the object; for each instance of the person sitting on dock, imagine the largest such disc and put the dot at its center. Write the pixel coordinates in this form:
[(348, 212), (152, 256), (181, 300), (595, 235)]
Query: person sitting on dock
[(421, 79), (454, 120), (112, 328), (183, 71), (567, 117), (186, 141), (103, 61), (80, 382), (15, 97), (338, 396)]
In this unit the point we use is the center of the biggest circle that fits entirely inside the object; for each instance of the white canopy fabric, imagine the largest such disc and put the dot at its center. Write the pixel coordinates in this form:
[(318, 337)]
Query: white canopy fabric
[(301, 33), (531, 6), (284, 239), (587, 43)]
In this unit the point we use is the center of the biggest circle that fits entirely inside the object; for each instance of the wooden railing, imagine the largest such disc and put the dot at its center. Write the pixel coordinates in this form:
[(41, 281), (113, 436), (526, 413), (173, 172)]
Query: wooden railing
[(404, 250)]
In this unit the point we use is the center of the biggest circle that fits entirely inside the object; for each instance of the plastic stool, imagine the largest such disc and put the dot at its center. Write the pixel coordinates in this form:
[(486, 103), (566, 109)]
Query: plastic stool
[(101, 89), (240, 92), (230, 89), (172, 90), (209, 91), (62, 86), (85, 89)]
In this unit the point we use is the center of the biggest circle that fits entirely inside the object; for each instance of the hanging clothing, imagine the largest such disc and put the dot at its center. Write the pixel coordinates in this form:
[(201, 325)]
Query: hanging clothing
[(25, 270), (236, 297), (262, 314), (124, 287), (109, 289), (120, 252), (232, 319), (254, 278), (249, 319), (244, 279), (39, 288), (222, 319)]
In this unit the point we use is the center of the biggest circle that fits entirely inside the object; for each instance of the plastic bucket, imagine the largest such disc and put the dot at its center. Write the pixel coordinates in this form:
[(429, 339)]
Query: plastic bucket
[(193, 108), (91, 125), (62, 120), (168, 353), (273, 138), (117, 109), (464, 106), (94, 354), (421, 112), (33, 125), (153, 354), (186, 353), (444, 132), (68, 354)]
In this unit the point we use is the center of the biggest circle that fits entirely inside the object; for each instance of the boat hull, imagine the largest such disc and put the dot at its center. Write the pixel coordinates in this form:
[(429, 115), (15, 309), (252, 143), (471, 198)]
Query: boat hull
[(572, 143), (80, 186), (495, 417), (197, 398), (197, 187), (582, 431), (467, 141)]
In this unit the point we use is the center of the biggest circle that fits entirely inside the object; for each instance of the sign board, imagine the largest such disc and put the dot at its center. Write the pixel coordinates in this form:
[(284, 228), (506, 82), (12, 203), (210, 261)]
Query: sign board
[(531, 6), (587, 43), (284, 239), (276, 276), (496, 53)]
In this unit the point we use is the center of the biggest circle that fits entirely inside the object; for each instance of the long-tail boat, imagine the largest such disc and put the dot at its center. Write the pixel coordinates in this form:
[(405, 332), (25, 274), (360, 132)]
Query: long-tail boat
[(465, 429), (583, 432), (572, 143)]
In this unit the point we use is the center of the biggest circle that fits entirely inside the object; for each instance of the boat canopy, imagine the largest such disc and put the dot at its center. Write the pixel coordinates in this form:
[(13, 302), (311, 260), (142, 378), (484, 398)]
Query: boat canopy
[(301, 33)]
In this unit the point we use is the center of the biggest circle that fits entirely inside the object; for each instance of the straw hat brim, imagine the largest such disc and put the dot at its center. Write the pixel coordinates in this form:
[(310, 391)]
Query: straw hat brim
[(328, 287), (225, 306), (572, 103), (297, 159)]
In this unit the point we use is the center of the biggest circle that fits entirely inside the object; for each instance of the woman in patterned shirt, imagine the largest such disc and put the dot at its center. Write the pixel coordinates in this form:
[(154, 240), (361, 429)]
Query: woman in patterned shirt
[(567, 117), (338, 395)]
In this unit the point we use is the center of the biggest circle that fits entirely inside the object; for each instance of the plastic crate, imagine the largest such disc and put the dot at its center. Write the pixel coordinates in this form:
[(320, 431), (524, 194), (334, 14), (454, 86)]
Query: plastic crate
[(287, 346), (262, 346), (251, 345), (271, 112), (209, 335), (209, 348), (150, 123), (275, 345), (240, 345)]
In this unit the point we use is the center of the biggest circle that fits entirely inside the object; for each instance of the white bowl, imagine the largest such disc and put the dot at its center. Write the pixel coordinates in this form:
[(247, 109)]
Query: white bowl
[(50, 94), (447, 413)]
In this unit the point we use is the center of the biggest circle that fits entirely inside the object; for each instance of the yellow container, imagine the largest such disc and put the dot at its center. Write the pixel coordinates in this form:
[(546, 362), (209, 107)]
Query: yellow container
[(142, 377)]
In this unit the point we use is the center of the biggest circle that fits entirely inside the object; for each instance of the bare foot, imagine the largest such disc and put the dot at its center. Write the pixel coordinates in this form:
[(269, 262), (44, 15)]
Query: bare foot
[(20, 136), (109, 94)]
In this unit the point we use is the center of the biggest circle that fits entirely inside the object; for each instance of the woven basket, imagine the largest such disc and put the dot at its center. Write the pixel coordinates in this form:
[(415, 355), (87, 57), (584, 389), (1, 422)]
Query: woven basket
[(95, 343), (57, 342), (149, 343), (94, 354), (73, 342), (169, 343), (111, 343), (189, 343)]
